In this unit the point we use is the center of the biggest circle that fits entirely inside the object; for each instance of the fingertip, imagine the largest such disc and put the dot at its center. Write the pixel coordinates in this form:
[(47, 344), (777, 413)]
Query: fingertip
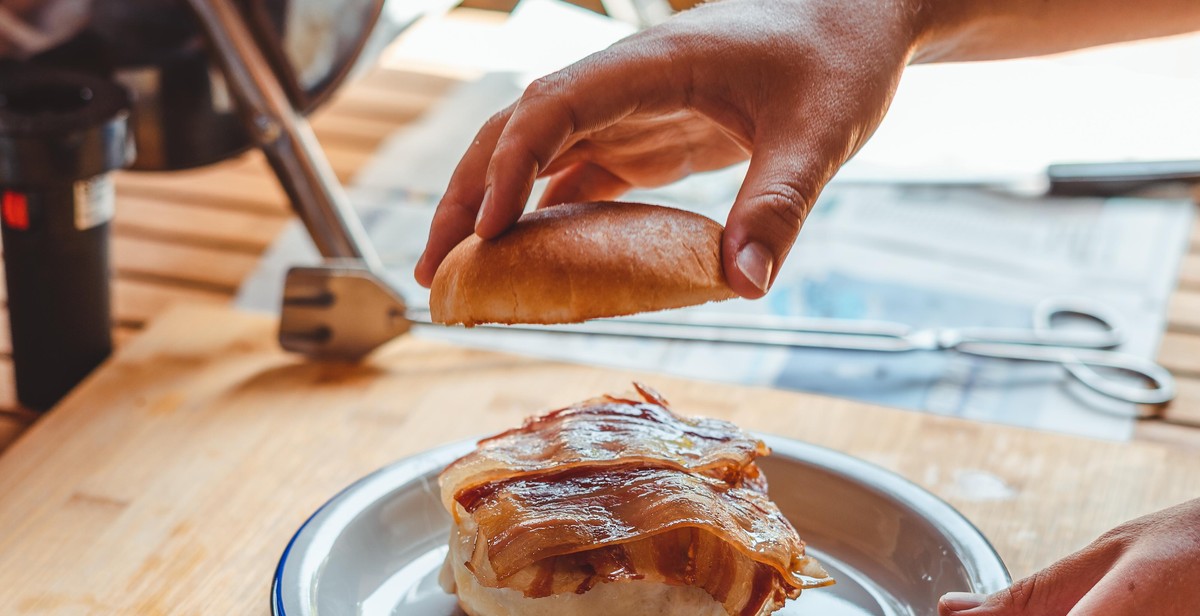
[(502, 205), (423, 273), (960, 603), (749, 269), (484, 208), (494, 224), (487, 229)]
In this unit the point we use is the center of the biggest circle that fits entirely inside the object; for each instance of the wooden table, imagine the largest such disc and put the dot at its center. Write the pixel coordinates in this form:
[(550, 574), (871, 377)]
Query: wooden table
[(171, 480), (174, 472)]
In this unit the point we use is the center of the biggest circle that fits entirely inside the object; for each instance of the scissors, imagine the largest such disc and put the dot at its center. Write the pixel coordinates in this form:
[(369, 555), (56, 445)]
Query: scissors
[(1079, 352)]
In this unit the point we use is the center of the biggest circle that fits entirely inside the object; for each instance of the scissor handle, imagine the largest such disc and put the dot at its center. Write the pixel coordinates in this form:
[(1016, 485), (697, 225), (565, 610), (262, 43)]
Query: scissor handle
[(1082, 364), (1043, 333), (1113, 323)]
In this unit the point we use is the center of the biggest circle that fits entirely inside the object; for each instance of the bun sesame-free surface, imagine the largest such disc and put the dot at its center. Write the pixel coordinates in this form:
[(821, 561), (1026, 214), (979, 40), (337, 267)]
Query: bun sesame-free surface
[(580, 261)]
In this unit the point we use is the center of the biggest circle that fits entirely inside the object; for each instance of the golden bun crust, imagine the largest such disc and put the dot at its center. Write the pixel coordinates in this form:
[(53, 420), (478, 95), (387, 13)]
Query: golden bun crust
[(580, 261)]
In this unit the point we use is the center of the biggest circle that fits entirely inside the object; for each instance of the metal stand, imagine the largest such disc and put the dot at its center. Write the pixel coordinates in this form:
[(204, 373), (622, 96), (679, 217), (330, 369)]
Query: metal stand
[(324, 308)]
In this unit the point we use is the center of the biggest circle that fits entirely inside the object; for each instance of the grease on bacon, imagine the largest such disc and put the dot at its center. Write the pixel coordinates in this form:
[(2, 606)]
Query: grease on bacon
[(615, 489), (607, 431)]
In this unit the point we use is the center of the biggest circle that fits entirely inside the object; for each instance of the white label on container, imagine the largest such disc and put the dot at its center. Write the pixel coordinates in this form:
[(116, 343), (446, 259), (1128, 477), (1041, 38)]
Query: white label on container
[(95, 201)]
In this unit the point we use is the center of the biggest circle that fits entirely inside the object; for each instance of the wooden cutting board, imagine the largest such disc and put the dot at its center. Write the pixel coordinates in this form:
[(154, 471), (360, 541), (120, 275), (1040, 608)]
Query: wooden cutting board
[(171, 481)]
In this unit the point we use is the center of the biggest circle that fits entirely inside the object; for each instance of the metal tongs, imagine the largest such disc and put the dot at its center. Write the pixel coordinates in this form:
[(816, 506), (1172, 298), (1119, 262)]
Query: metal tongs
[(342, 309), (1086, 355)]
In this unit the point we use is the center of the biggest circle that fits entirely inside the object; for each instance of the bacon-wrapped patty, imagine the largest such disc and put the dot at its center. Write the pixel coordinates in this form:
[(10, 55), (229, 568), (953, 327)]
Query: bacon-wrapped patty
[(617, 506)]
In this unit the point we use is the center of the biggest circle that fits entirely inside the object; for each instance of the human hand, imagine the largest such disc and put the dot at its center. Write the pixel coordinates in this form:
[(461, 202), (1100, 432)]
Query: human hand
[(796, 86), (1148, 566)]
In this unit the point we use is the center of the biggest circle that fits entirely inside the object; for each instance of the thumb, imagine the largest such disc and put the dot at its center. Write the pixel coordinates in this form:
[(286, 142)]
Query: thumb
[(1051, 592), (776, 196)]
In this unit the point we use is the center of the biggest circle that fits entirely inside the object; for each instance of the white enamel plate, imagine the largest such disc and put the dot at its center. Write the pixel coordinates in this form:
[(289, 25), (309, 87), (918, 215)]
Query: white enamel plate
[(376, 548)]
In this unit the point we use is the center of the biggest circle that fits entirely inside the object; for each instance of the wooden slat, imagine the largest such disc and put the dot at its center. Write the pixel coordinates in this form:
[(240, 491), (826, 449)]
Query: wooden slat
[(508, 5), (234, 230), (1180, 353), (1183, 314), (1196, 227), (401, 90), (214, 269), (256, 192), (1185, 409), (350, 130), (427, 85), (12, 421), (1181, 436), (384, 105), (251, 171), (252, 159), (136, 302), (346, 160), (123, 333), (1189, 270), (8, 388)]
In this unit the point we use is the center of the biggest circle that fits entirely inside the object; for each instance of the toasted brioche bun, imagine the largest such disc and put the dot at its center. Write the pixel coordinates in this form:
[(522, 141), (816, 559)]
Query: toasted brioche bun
[(629, 598), (580, 261)]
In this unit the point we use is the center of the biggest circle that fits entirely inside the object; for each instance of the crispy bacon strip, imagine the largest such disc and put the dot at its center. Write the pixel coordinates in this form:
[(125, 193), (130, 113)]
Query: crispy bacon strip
[(614, 489), (607, 431), (685, 556), (525, 520)]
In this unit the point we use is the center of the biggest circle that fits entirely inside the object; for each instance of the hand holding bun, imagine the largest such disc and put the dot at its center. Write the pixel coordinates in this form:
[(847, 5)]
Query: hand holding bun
[(582, 261)]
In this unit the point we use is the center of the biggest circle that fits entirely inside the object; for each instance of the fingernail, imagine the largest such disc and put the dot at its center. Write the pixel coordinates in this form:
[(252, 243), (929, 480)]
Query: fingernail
[(483, 204), (962, 601), (756, 262)]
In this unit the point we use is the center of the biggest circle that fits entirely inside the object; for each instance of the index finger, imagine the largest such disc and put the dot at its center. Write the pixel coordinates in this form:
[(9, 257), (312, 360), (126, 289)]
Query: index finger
[(590, 95), (454, 219)]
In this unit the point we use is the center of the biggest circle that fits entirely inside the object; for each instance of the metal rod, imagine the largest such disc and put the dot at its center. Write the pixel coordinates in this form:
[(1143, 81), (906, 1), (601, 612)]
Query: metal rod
[(285, 137), (686, 332)]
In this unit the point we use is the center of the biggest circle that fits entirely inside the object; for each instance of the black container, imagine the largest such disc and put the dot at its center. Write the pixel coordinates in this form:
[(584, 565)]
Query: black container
[(61, 134)]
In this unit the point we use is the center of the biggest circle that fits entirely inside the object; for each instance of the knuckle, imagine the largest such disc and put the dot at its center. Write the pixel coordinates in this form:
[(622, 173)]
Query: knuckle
[(1121, 536), (549, 98), (459, 209), (788, 201), (496, 121), (490, 131), (513, 149), (544, 86), (1021, 595)]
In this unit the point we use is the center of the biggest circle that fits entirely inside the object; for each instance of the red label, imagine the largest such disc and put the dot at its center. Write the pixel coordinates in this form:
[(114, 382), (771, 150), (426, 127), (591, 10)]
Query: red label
[(15, 210)]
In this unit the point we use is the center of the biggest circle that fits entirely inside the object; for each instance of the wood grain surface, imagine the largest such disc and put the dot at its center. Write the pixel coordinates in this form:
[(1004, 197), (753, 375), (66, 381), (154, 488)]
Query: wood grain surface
[(171, 481)]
